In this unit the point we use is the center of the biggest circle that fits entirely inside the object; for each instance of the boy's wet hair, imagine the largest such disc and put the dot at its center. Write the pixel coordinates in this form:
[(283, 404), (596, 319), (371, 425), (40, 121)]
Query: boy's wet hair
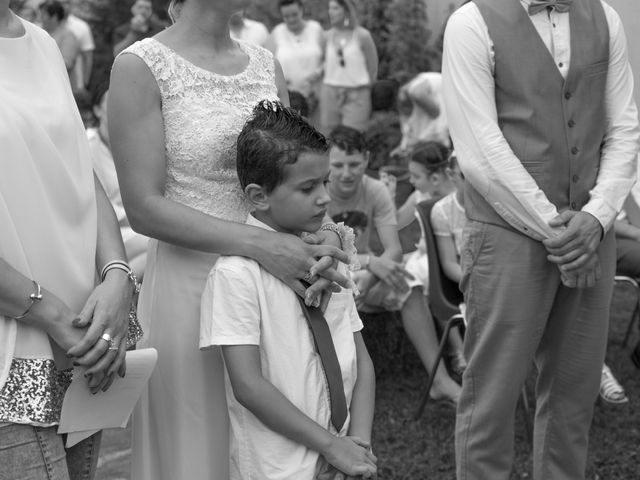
[(348, 139), (433, 156), (271, 139)]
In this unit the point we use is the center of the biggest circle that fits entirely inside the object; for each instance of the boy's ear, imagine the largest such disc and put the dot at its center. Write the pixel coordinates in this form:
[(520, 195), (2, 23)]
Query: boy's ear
[(256, 196)]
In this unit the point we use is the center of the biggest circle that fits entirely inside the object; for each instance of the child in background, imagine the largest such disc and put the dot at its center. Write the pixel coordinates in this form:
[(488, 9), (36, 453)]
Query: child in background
[(281, 411), (429, 176), (448, 219), (364, 204)]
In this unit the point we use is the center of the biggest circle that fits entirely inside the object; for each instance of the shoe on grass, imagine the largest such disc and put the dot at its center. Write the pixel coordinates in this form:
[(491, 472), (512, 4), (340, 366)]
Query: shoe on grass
[(610, 390)]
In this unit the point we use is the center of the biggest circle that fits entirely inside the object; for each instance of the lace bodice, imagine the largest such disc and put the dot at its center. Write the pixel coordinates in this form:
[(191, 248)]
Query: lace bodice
[(203, 115)]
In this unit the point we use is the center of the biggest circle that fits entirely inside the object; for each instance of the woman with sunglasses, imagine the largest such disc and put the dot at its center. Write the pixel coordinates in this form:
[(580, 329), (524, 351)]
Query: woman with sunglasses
[(350, 67)]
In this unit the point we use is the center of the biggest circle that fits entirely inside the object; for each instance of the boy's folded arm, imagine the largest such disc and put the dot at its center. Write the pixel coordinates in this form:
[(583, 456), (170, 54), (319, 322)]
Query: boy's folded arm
[(273, 409), (363, 399)]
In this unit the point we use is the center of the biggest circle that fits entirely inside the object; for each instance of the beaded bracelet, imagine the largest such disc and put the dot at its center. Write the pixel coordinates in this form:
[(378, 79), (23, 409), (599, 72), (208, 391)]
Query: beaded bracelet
[(35, 297), (347, 240)]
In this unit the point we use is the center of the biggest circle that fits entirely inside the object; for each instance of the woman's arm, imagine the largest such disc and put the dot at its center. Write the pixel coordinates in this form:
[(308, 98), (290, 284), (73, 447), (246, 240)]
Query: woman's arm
[(370, 53), (107, 308), (281, 84), (137, 137), (273, 409), (363, 399), (50, 314), (448, 258)]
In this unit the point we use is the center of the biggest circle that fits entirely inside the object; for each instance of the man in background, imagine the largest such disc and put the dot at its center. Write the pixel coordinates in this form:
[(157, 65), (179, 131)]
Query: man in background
[(143, 24)]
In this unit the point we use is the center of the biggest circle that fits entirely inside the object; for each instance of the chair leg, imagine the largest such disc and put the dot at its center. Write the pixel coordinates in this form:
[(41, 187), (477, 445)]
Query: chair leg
[(634, 317), (526, 414), (454, 321)]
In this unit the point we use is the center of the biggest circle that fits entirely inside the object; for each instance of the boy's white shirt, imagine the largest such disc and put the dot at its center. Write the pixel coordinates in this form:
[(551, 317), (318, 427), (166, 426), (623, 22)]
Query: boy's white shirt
[(243, 304)]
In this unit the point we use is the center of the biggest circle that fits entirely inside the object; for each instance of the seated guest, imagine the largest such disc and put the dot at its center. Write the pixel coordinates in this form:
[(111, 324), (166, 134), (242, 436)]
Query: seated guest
[(143, 24), (293, 413), (422, 112), (429, 177), (104, 168), (363, 203)]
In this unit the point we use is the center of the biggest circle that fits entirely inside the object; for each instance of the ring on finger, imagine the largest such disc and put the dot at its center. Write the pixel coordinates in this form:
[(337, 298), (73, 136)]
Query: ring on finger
[(307, 277), (113, 345)]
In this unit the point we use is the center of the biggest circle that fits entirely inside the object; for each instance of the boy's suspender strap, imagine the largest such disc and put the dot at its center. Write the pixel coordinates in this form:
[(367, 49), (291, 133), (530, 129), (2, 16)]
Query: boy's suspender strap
[(329, 358)]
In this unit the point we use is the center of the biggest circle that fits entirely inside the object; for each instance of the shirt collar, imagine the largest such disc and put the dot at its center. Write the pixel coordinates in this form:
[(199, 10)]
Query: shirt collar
[(253, 221)]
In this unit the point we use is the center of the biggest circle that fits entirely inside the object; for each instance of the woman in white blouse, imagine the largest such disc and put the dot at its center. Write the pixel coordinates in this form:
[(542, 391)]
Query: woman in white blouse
[(58, 232), (350, 68), (298, 44)]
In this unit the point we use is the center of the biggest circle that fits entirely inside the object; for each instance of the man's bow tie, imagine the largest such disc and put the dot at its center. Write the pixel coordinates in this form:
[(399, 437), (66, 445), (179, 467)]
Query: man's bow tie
[(538, 5)]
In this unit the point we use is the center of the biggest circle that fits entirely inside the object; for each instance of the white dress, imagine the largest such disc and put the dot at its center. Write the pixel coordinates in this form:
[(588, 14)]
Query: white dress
[(180, 427)]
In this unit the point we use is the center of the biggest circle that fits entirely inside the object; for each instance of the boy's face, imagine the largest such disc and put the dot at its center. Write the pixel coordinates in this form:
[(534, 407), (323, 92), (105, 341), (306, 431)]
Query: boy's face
[(299, 203), (347, 171)]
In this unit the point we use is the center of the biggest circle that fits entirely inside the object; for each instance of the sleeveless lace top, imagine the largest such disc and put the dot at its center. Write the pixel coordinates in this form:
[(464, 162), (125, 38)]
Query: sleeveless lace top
[(203, 115)]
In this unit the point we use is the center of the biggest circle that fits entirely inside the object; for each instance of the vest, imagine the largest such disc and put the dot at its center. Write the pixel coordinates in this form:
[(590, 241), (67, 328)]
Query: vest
[(554, 126)]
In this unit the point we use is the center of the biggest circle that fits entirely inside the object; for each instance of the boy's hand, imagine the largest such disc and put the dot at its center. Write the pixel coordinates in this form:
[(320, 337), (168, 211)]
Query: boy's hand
[(348, 456), (390, 272)]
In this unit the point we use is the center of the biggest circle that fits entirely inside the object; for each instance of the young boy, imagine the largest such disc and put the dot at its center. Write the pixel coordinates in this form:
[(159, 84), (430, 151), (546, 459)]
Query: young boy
[(283, 414), (364, 203)]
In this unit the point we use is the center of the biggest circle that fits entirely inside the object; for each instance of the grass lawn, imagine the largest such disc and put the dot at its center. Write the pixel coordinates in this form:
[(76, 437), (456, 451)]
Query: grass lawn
[(423, 449)]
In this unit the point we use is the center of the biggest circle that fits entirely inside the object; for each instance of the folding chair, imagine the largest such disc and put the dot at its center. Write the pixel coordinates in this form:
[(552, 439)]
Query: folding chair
[(444, 295), (444, 300), (635, 315)]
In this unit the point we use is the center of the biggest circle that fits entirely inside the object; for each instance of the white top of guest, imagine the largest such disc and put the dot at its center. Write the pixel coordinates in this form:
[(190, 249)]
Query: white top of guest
[(345, 64), (252, 32), (484, 155), (47, 194), (300, 54), (243, 304), (448, 219)]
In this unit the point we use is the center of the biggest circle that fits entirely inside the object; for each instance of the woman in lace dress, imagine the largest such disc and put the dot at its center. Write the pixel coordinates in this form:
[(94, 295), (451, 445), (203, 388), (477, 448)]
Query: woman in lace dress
[(177, 103)]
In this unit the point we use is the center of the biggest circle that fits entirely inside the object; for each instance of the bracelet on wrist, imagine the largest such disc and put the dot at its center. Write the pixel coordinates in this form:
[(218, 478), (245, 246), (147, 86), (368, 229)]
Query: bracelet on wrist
[(347, 241), (124, 266), (34, 298)]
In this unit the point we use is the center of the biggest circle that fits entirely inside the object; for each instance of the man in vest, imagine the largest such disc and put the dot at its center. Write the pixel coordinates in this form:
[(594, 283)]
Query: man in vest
[(539, 96)]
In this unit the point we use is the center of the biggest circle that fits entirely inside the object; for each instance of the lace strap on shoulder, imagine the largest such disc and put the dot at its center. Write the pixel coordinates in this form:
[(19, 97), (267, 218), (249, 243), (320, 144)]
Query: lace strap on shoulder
[(159, 61), (150, 52), (262, 60)]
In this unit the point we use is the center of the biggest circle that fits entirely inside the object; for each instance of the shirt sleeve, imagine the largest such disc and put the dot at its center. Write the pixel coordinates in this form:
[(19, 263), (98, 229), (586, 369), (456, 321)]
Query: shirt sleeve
[(230, 310), (439, 221), (384, 212), (617, 172), (86, 38), (485, 157)]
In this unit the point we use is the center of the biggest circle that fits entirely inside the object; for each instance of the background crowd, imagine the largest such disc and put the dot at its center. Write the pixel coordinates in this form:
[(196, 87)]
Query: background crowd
[(390, 151)]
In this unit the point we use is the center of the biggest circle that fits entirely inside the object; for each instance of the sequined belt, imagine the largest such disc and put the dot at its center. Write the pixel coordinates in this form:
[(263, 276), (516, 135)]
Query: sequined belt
[(33, 392)]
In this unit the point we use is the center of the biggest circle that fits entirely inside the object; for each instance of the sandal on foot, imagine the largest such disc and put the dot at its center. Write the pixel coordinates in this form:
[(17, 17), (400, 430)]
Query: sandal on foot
[(610, 390)]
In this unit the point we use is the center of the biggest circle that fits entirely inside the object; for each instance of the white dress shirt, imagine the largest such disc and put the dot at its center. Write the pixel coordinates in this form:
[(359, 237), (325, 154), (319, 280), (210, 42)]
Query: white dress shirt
[(484, 154)]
